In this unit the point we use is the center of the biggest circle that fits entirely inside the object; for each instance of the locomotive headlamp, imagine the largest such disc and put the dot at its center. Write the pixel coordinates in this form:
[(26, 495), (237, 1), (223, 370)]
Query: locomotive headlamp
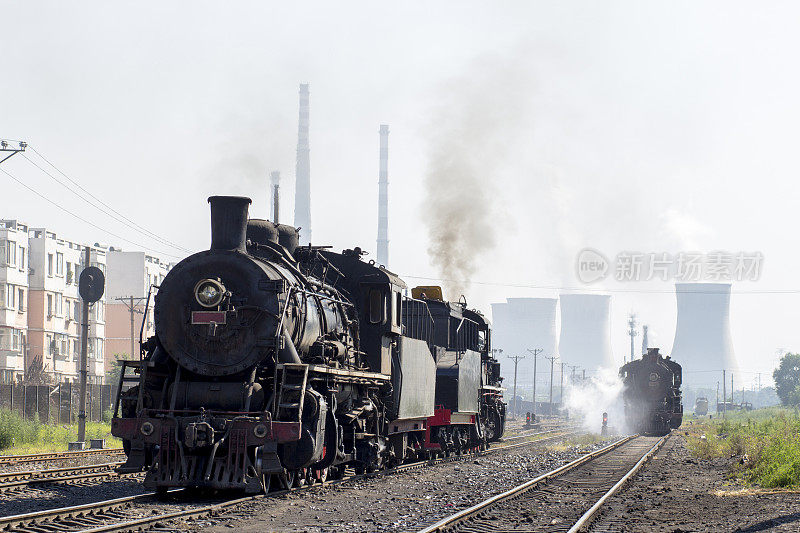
[(209, 292)]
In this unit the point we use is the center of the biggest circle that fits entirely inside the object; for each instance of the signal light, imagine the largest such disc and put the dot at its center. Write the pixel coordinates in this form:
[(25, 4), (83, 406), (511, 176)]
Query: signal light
[(605, 419)]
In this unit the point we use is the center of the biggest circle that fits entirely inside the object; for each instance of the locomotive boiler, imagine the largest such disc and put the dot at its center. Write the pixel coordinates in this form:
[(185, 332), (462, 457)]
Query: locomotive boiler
[(652, 394), (275, 364)]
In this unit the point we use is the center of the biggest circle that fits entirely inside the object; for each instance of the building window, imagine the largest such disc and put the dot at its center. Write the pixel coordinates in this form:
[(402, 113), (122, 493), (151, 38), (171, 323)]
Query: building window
[(59, 304), (10, 253), (76, 348), (77, 312), (49, 305), (21, 300), (70, 274), (21, 258), (49, 347), (50, 265), (10, 294), (2, 295), (59, 264)]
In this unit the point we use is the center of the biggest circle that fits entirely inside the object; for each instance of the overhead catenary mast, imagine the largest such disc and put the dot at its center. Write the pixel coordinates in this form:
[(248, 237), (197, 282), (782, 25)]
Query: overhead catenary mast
[(302, 197), (383, 197)]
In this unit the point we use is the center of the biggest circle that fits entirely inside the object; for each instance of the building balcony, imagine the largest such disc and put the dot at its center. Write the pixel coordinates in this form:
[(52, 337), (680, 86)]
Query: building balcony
[(11, 360)]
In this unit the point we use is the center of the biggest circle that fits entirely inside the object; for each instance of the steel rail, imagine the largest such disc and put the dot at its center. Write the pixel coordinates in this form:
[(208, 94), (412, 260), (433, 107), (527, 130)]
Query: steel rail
[(30, 521), (56, 456), (73, 474), (587, 518), (466, 513)]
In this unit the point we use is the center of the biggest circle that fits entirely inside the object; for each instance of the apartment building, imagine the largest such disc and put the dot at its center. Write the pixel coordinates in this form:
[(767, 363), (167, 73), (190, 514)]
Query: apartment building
[(13, 299), (132, 275), (54, 308)]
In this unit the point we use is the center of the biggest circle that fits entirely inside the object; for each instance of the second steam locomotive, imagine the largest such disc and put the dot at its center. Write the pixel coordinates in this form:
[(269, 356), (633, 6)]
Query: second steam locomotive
[(275, 364), (652, 394)]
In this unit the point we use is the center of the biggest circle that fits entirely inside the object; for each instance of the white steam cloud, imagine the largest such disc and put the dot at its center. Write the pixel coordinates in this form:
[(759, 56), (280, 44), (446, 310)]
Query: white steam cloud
[(588, 401)]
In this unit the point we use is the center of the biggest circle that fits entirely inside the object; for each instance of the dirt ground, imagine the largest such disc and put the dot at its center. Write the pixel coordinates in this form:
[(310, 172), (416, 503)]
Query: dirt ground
[(677, 493), (405, 501)]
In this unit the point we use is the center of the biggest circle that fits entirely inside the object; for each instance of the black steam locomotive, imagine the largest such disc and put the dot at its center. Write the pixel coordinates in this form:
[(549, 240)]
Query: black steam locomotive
[(275, 364), (652, 394)]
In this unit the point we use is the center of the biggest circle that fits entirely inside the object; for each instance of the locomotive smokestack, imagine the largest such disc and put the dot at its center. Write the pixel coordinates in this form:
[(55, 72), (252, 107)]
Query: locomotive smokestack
[(302, 196), (383, 197), (229, 222)]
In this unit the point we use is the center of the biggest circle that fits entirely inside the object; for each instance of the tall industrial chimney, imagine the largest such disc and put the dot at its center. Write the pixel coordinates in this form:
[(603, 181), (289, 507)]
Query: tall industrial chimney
[(586, 331), (522, 324), (645, 340), (383, 197), (702, 334), (302, 197), (275, 198)]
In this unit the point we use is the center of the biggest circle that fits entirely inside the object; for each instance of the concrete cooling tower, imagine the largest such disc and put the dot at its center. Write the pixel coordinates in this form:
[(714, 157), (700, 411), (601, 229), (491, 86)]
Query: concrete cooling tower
[(586, 331), (523, 324), (702, 333)]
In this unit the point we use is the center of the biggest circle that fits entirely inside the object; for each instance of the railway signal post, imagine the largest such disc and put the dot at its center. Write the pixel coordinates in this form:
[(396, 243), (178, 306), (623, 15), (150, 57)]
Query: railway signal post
[(91, 286)]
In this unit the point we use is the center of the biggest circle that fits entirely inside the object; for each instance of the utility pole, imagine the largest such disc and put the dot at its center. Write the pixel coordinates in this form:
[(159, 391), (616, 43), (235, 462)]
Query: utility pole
[(724, 394), (130, 304), (732, 389), (84, 356), (7, 148), (759, 382), (535, 352), (552, 360), (561, 392), (717, 396), (572, 376), (632, 332), (516, 359)]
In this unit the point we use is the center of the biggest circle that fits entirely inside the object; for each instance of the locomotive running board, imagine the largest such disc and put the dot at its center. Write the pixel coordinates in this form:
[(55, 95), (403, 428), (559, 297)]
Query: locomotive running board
[(321, 369)]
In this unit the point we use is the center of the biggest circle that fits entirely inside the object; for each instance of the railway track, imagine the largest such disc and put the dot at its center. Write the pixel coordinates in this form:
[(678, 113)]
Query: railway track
[(10, 481), (140, 512), (565, 499), (6, 460)]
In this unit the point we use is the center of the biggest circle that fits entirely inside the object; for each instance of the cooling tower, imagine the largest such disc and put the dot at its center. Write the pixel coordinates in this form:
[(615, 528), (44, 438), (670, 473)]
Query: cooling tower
[(586, 331), (523, 324), (702, 334)]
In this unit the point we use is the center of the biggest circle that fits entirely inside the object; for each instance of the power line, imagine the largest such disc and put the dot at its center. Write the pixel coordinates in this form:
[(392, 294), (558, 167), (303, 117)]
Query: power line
[(598, 289), (119, 217), (42, 196)]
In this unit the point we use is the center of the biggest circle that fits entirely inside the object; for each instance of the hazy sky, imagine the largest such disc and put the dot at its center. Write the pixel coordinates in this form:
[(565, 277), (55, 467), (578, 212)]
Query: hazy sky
[(632, 126)]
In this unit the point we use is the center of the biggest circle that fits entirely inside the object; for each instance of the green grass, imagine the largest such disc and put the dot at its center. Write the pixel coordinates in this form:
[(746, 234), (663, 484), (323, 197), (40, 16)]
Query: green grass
[(766, 442), (20, 436), (581, 441)]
